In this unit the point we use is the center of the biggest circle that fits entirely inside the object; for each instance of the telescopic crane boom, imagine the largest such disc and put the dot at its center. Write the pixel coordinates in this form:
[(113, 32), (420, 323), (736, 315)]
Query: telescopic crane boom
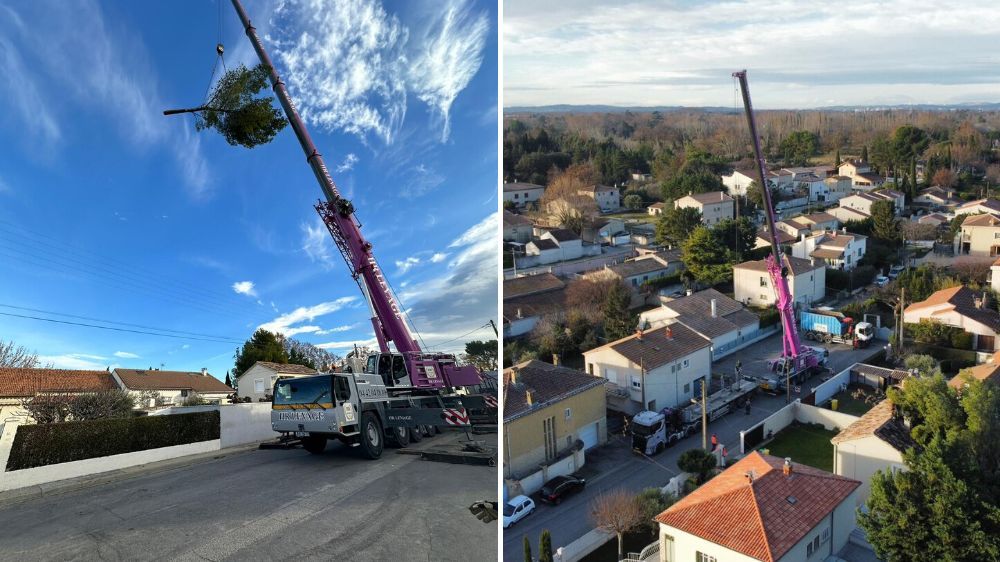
[(425, 370), (794, 358)]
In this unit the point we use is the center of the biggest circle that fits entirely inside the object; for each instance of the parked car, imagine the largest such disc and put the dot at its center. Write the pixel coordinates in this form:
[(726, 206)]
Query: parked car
[(561, 486), (894, 271), (516, 509), (881, 280)]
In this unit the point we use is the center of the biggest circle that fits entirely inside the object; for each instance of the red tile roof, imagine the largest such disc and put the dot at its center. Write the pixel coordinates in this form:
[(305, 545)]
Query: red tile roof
[(658, 346), (286, 368), (879, 422), (135, 379), (759, 519), (20, 383), (531, 284)]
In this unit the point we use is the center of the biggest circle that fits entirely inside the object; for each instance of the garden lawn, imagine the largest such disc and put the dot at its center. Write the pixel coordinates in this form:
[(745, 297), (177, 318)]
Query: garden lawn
[(850, 405), (809, 445)]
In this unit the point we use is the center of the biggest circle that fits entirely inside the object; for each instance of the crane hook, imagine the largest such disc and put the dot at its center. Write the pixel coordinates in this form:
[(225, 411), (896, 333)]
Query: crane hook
[(219, 49)]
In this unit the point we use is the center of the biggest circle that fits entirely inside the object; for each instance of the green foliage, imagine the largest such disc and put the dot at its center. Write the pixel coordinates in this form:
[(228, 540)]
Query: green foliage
[(933, 332), (925, 365), (245, 120), (632, 202), (768, 316), (229, 380), (697, 461), (42, 445), (653, 502), (885, 225), (908, 143), (618, 320), (518, 351), (55, 408), (738, 235), (706, 258), (675, 225), (863, 227), (701, 181), (797, 147), (482, 354), (527, 551), (661, 282), (545, 547), (920, 282), (262, 346)]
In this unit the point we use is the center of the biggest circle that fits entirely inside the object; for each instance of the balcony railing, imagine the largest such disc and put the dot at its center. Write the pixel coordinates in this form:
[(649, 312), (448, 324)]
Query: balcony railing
[(648, 554)]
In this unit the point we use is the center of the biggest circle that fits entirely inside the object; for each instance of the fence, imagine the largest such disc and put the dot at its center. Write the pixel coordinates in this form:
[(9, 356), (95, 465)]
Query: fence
[(742, 341), (534, 481), (796, 411)]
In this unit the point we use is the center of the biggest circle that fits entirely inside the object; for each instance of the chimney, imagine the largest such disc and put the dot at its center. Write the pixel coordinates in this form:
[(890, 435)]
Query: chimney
[(519, 315), (638, 334), (750, 475), (513, 376), (714, 313), (787, 469), (802, 237), (555, 359), (843, 229), (528, 398), (670, 333), (204, 372)]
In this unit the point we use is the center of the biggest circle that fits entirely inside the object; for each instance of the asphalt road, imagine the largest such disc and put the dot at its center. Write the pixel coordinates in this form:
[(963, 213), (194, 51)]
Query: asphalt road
[(615, 466), (267, 505)]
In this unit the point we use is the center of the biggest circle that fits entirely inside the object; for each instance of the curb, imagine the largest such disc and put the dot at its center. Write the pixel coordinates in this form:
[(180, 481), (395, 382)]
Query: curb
[(58, 487)]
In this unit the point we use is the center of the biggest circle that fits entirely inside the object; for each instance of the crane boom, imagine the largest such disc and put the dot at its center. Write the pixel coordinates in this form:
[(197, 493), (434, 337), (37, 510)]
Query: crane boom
[(426, 370), (794, 356)]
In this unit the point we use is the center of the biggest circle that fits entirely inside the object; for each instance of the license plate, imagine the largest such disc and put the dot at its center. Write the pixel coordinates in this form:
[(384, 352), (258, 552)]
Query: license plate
[(302, 434)]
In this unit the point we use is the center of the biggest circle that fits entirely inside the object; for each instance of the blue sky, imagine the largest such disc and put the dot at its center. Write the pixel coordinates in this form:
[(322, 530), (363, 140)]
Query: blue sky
[(110, 211), (801, 54)]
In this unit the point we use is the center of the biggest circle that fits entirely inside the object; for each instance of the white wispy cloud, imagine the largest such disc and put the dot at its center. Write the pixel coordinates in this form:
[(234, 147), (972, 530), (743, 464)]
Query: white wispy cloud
[(647, 52), (4, 186), (347, 345), (421, 180), (245, 288), (75, 361), (439, 257), (285, 324), (407, 264), (316, 243), (351, 65), (336, 330), (449, 56), (126, 355), (348, 164)]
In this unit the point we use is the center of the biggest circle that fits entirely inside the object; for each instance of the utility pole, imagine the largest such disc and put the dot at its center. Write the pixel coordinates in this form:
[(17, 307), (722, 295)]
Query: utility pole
[(642, 381), (704, 416), (902, 305), (495, 332)]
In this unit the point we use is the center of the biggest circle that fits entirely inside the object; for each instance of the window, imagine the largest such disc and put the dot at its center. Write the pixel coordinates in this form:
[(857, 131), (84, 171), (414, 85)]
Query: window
[(549, 430), (341, 388), (685, 363), (258, 386), (763, 282), (702, 557), (590, 369), (184, 394), (525, 195), (636, 382), (515, 196), (859, 252), (825, 535), (635, 282), (687, 388), (568, 413)]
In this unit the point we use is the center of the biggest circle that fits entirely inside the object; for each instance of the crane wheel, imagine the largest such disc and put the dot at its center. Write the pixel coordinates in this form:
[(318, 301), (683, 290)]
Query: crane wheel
[(315, 444), (397, 437), (416, 434), (371, 436)]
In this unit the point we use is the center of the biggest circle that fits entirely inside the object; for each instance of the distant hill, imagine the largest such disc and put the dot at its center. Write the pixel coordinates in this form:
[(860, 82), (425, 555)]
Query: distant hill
[(566, 108)]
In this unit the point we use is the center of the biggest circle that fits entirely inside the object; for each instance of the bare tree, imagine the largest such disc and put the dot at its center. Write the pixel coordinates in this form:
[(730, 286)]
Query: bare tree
[(17, 356), (945, 178), (617, 512), (100, 405), (48, 408)]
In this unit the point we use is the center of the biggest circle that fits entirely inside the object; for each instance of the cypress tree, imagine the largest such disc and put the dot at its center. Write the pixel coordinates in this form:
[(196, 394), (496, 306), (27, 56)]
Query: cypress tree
[(545, 547), (527, 551)]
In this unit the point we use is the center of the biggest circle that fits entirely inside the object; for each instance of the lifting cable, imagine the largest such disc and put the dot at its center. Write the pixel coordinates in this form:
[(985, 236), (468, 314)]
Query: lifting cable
[(219, 55)]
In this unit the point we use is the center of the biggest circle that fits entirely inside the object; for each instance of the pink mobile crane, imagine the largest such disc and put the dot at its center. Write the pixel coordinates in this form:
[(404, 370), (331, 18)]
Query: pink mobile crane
[(408, 369), (796, 360)]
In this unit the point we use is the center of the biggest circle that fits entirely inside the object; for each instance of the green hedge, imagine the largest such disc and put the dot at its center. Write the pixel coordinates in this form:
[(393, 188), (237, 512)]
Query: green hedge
[(54, 443)]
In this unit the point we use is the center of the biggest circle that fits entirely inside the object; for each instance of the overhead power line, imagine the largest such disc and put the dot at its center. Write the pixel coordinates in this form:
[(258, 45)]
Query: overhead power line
[(116, 329)]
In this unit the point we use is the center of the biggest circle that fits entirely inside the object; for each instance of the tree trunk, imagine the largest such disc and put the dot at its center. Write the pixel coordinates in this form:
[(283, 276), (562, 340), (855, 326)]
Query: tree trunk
[(620, 545)]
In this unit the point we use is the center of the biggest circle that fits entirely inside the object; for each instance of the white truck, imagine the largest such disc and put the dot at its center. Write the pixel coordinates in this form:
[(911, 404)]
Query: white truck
[(654, 431)]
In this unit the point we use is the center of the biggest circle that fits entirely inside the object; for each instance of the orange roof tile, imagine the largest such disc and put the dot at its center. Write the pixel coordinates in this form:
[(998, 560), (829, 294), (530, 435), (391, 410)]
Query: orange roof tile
[(21, 382), (135, 379), (757, 518)]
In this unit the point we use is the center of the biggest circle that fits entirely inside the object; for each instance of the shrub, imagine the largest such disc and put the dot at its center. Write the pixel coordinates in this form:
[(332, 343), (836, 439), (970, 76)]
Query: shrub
[(43, 445), (100, 405), (768, 316), (697, 461)]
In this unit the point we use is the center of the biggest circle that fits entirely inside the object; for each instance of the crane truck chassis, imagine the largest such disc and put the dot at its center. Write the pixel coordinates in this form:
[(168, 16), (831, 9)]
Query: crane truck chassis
[(654, 431)]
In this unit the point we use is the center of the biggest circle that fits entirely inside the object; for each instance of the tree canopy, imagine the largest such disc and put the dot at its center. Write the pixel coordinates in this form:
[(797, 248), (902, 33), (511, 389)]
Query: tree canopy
[(706, 257), (798, 147), (262, 346), (482, 354), (675, 225), (234, 110)]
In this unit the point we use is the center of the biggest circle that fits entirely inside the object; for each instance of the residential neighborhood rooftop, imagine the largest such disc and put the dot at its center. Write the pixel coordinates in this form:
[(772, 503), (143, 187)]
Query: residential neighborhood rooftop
[(530, 284), (753, 514), (695, 312), (635, 267), (797, 265), (981, 220), (659, 346), (563, 235), (710, 197), (288, 368), (962, 300), (985, 372), (880, 422), (17, 382), (511, 220), (544, 243), (545, 383), (520, 186), (137, 379)]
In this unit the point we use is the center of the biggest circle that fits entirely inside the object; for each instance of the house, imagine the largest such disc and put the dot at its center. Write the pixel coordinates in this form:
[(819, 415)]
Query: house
[(555, 245), (985, 206), (862, 177), (937, 196), (608, 231), (780, 179), (813, 185), (839, 250), (656, 209), (805, 224), (714, 206), (761, 508), (784, 238), (641, 233), (607, 198), (739, 180), (516, 228), (837, 187), (173, 386), (803, 173), (652, 369), (646, 267), (520, 194), (710, 313), (898, 199), (847, 214), (19, 384), (995, 275), (959, 307), (527, 299), (641, 176), (258, 381), (547, 411), (979, 235), (863, 201), (936, 219), (806, 280), (986, 372), (876, 441)]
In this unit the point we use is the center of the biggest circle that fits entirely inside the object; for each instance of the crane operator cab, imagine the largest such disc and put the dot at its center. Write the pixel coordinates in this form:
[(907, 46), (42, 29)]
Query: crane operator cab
[(391, 367)]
